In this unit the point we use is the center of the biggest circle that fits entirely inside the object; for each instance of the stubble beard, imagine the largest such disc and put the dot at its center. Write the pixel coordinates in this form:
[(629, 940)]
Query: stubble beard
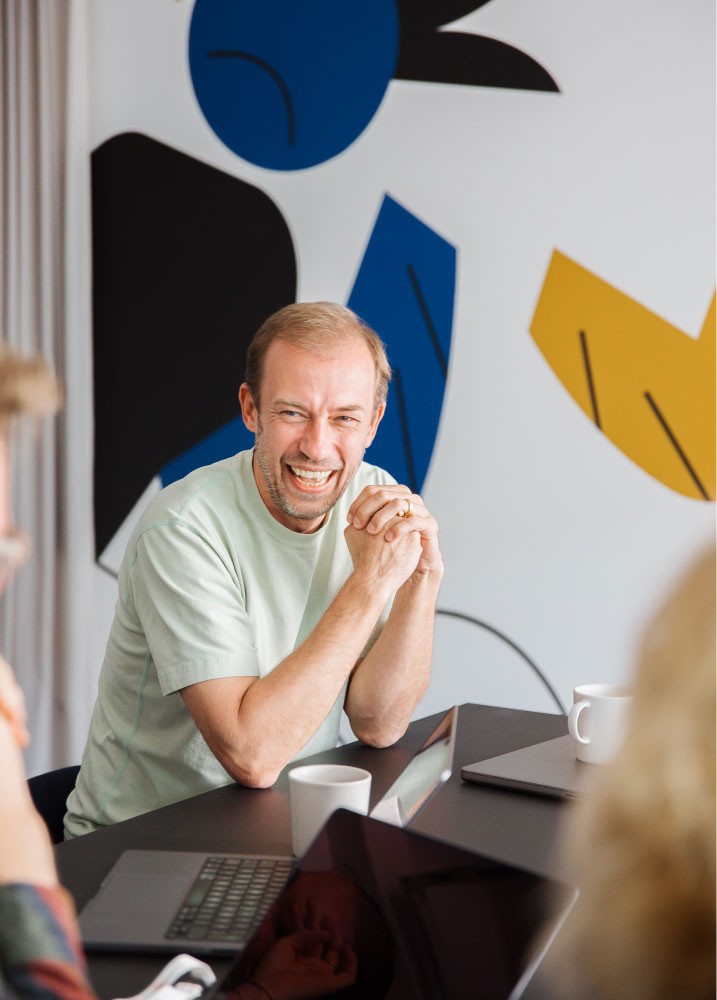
[(278, 495)]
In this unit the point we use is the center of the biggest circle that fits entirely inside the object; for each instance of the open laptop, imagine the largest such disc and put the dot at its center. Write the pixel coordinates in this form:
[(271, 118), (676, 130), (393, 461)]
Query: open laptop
[(170, 901), (423, 920), (430, 766), (549, 768)]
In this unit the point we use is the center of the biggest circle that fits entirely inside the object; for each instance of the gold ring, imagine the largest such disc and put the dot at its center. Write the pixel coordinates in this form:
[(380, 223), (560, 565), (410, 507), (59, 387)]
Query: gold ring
[(409, 509)]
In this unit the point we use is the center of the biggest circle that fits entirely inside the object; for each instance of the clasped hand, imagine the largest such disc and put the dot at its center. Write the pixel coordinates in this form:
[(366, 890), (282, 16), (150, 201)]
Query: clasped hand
[(392, 535)]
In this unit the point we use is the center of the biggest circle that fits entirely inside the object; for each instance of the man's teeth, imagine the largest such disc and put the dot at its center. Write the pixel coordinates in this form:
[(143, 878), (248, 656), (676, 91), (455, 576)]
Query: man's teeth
[(316, 476)]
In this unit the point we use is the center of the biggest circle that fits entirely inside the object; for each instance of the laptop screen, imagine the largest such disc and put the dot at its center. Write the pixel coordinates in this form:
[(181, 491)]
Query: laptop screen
[(375, 911), (430, 766)]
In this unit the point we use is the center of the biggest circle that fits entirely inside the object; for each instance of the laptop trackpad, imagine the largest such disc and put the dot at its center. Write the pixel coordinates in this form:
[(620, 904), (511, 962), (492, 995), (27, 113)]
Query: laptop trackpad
[(138, 904)]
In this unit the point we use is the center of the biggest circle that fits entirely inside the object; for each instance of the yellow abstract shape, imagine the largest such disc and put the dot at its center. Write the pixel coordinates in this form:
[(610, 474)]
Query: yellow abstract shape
[(647, 385)]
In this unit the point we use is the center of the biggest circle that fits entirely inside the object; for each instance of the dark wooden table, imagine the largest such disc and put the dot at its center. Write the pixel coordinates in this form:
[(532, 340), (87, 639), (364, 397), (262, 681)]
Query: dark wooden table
[(509, 826)]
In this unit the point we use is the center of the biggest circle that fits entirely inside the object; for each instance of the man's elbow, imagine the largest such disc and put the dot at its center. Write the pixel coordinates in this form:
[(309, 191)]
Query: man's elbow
[(377, 735), (250, 770), (257, 779)]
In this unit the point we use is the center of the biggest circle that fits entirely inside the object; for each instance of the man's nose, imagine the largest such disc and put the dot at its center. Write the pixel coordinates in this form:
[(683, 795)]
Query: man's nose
[(317, 440)]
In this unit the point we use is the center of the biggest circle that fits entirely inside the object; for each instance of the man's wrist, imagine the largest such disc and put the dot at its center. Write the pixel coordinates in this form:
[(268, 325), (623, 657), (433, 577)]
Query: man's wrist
[(425, 577), (371, 591)]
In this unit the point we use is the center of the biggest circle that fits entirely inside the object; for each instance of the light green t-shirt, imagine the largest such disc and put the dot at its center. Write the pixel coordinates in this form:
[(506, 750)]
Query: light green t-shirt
[(211, 586)]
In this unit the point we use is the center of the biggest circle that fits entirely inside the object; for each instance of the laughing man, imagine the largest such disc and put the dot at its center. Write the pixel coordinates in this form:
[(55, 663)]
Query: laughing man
[(261, 595)]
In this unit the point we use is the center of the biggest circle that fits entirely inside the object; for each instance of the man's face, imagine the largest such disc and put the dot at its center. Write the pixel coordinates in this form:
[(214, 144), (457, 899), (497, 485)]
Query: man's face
[(314, 424)]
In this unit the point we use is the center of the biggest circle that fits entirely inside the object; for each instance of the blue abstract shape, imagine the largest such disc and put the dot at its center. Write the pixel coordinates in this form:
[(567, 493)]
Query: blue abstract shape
[(405, 290), (288, 84), (225, 441)]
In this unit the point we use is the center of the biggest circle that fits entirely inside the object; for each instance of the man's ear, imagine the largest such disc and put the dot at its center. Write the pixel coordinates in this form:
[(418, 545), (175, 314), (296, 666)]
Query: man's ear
[(378, 417), (249, 411)]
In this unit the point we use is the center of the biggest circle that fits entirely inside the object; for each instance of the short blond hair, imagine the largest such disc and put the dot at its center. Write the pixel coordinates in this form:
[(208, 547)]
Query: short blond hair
[(314, 326), (27, 385), (641, 844)]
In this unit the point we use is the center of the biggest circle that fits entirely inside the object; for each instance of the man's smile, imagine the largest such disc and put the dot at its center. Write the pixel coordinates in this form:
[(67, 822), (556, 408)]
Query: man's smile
[(311, 478)]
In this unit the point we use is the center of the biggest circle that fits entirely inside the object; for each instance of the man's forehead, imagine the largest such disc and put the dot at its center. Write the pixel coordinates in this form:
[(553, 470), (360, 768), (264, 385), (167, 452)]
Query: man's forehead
[(289, 364), (328, 345)]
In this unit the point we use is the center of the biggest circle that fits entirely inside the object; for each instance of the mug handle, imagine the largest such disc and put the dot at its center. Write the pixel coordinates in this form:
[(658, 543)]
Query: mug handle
[(573, 717)]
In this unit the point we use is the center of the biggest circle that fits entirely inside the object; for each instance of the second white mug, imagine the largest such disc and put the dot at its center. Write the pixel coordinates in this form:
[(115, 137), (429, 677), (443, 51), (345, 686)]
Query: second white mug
[(598, 721), (317, 790)]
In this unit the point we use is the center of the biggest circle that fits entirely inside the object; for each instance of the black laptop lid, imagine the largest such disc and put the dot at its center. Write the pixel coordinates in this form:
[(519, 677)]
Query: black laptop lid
[(406, 917)]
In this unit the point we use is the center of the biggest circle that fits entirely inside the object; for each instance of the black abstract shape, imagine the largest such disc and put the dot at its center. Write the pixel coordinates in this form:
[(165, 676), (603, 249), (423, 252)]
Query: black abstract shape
[(434, 56), (187, 263)]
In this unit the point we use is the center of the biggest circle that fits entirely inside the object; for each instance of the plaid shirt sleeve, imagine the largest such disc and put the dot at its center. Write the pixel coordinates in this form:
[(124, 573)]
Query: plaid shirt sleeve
[(41, 955)]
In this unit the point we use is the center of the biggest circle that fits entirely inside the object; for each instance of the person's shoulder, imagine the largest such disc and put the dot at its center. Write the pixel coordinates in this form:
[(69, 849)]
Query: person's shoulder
[(207, 487)]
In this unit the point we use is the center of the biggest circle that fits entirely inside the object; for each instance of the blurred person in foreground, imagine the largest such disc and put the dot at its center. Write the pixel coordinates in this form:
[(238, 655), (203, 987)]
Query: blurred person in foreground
[(34, 957), (640, 846)]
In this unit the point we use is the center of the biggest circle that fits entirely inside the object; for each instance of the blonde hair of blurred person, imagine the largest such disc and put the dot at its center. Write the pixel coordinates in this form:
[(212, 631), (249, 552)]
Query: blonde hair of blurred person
[(27, 385), (641, 844)]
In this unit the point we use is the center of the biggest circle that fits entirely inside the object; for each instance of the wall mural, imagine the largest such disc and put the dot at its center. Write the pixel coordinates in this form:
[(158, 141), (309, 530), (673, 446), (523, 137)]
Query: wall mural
[(188, 260), (649, 387), (288, 85), (405, 288)]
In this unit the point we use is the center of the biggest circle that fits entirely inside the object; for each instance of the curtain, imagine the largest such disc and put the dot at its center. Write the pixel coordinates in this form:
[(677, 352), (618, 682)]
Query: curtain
[(45, 308)]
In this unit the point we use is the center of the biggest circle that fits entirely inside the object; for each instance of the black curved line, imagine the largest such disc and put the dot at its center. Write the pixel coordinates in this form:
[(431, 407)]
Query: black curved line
[(513, 645), (423, 306), (589, 374), (263, 64), (676, 445), (405, 434)]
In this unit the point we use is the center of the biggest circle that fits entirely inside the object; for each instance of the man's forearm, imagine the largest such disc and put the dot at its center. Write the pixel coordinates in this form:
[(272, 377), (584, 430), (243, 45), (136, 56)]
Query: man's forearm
[(393, 677), (279, 713), (255, 727)]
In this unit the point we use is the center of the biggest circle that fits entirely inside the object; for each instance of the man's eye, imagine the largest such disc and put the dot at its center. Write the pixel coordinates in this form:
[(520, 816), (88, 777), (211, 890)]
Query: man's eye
[(345, 418)]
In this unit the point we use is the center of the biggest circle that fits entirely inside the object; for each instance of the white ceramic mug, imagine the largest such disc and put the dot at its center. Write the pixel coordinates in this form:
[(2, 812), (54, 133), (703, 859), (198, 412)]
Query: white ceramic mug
[(598, 720), (316, 791)]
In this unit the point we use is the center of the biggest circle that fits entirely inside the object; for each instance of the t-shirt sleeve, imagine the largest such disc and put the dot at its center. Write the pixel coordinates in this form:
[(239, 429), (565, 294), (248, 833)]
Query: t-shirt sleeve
[(189, 600)]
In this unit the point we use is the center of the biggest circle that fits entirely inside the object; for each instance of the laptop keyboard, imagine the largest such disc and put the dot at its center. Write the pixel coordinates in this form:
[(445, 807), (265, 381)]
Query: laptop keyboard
[(228, 898)]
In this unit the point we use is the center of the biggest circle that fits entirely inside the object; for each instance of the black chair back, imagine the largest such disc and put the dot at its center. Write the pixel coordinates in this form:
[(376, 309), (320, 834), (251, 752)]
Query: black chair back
[(49, 792)]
